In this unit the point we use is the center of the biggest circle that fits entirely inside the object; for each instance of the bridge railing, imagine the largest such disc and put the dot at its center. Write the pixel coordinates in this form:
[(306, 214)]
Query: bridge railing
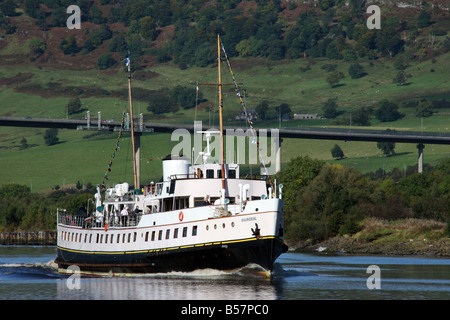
[(371, 131)]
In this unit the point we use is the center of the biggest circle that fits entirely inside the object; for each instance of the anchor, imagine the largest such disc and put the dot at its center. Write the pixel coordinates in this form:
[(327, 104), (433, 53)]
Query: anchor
[(256, 231)]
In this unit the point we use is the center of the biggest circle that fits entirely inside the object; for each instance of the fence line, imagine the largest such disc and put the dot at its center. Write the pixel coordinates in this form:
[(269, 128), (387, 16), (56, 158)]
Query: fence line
[(28, 238)]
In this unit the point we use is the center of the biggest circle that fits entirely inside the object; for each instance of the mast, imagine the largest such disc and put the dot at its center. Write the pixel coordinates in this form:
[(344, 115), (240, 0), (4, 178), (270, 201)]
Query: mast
[(221, 115), (136, 182)]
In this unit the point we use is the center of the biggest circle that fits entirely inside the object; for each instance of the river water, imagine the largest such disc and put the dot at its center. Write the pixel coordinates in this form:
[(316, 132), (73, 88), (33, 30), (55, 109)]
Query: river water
[(29, 273)]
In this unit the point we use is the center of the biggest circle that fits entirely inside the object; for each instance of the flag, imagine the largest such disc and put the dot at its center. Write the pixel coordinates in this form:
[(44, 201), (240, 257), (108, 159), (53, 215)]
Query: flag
[(127, 61)]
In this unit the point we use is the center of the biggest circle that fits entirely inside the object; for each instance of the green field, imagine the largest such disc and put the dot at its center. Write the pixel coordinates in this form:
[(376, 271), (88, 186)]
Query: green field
[(77, 158)]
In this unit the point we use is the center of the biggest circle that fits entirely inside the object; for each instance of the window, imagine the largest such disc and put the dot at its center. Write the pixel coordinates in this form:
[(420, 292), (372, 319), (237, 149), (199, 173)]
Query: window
[(209, 173), (123, 238), (160, 234), (112, 236), (98, 237), (194, 231), (232, 174), (185, 232), (199, 201), (146, 236), (167, 234), (135, 237), (175, 233), (129, 237), (90, 238), (153, 235), (106, 238)]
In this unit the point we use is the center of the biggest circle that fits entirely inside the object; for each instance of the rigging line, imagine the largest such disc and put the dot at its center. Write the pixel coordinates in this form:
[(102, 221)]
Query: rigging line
[(250, 123), (117, 148)]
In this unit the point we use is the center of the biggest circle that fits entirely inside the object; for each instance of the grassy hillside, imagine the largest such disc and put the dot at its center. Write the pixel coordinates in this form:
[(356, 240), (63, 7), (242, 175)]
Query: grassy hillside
[(42, 85)]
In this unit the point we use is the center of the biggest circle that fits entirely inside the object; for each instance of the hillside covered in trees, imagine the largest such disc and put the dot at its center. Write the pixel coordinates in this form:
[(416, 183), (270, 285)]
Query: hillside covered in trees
[(184, 32)]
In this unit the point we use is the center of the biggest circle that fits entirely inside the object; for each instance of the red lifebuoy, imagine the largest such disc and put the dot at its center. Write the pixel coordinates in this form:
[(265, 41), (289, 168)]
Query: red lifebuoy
[(181, 216)]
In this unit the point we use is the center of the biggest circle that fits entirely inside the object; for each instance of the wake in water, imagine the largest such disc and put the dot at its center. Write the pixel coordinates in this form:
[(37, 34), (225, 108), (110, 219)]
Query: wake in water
[(50, 270), (250, 271), (29, 270)]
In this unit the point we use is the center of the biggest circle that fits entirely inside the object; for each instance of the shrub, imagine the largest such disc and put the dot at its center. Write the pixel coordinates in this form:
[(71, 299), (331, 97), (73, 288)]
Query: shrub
[(68, 45), (106, 61), (51, 136), (356, 71)]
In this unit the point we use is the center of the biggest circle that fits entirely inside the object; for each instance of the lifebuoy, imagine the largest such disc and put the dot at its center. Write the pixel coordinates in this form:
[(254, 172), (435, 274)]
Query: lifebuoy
[(181, 216)]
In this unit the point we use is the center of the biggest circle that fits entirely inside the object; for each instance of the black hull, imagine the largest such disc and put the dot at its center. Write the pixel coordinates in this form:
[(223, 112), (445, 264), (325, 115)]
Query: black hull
[(228, 256)]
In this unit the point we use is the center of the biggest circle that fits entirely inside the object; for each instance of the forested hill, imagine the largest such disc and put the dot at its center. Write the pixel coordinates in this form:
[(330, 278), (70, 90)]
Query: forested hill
[(156, 31)]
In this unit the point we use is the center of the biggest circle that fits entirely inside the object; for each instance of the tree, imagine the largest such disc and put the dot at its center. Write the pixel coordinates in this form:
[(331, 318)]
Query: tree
[(386, 147), (400, 63), (68, 45), (23, 144), (8, 8), (423, 109), (95, 15), (283, 111), (51, 137), (261, 110), (334, 77), (184, 96), (356, 71), (148, 28), (337, 152), (387, 111), (106, 61), (361, 117), (37, 47), (424, 19), (329, 109), (298, 173), (73, 106), (160, 104), (118, 44), (400, 78)]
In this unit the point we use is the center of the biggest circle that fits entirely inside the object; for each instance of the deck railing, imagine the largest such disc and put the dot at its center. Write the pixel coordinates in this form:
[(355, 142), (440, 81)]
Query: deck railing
[(91, 221)]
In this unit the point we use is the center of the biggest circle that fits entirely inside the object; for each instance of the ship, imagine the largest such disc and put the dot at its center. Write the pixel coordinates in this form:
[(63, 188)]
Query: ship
[(199, 216)]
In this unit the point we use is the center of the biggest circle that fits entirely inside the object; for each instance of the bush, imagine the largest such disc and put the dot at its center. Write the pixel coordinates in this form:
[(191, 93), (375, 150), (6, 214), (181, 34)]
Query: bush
[(329, 109), (356, 71), (334, 77), (184, 96), (160, 104), (106, 61), (68, 45), (73, 106), (387, 111), (51, 137), (337, 152)]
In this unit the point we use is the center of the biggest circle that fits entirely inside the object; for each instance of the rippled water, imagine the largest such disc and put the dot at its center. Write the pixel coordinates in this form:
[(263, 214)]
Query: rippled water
[(29, 273)]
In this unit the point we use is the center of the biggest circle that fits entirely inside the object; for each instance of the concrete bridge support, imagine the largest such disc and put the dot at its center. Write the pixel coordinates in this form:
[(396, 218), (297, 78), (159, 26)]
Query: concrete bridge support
[(420, 147)]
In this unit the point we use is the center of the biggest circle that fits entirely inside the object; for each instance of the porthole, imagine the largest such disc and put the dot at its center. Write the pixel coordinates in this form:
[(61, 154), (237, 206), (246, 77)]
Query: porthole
[(207, 227), (223, 225), (232, 224), (215, 226)]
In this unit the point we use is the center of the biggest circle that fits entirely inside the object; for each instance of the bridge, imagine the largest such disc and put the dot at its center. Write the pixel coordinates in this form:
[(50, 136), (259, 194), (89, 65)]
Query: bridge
[(419, 138)]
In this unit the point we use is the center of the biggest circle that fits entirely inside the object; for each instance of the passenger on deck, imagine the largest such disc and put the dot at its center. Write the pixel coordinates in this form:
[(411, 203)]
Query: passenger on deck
[(124, 216)]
